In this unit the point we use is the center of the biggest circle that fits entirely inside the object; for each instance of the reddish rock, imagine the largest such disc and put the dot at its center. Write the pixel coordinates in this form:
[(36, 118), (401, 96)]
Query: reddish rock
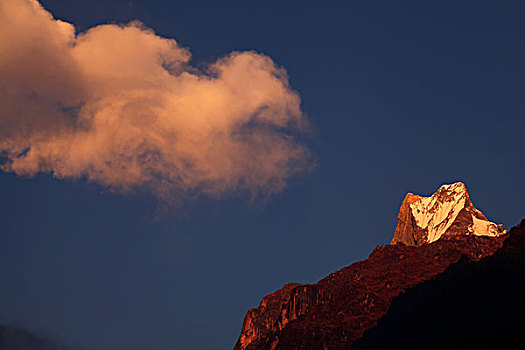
[(336, 311), (407, 231)]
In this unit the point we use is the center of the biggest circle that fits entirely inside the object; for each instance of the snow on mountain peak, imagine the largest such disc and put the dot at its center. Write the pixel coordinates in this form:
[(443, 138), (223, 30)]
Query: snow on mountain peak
[(447, 212), (438, 212)]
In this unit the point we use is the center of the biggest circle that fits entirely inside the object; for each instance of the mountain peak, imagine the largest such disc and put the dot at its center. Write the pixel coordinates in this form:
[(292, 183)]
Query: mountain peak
[(448, 212)]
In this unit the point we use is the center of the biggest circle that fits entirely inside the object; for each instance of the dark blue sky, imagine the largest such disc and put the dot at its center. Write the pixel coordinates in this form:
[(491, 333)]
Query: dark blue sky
[(402, 96)]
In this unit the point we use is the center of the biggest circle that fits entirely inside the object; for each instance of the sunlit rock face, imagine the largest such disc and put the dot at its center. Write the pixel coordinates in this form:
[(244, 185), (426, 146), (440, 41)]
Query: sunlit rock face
[(448, 212), (261, 322)]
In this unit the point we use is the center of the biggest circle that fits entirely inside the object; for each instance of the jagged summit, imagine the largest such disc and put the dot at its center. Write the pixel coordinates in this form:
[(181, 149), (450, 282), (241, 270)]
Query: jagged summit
[(448, 212)]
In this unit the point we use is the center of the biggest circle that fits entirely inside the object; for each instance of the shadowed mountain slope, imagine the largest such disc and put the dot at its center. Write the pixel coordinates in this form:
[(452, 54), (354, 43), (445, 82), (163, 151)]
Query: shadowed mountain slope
[(472, 305)]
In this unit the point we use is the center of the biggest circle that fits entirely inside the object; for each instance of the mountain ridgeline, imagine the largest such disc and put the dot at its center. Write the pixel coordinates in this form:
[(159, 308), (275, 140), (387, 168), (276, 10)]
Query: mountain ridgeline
[(437, 236)]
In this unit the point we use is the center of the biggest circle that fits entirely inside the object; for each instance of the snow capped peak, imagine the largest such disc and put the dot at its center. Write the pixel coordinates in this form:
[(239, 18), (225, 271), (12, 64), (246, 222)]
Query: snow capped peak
[(448, 212), (437, 213), (455, 187)]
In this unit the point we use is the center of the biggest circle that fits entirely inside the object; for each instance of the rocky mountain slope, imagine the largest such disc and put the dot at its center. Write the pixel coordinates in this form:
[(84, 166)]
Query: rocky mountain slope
[(337, 310), (334, 312), (472, 305)]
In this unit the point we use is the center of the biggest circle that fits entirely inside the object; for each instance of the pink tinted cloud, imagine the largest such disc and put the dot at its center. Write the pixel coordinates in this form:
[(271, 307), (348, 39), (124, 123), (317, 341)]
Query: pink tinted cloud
[(123, 107)]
